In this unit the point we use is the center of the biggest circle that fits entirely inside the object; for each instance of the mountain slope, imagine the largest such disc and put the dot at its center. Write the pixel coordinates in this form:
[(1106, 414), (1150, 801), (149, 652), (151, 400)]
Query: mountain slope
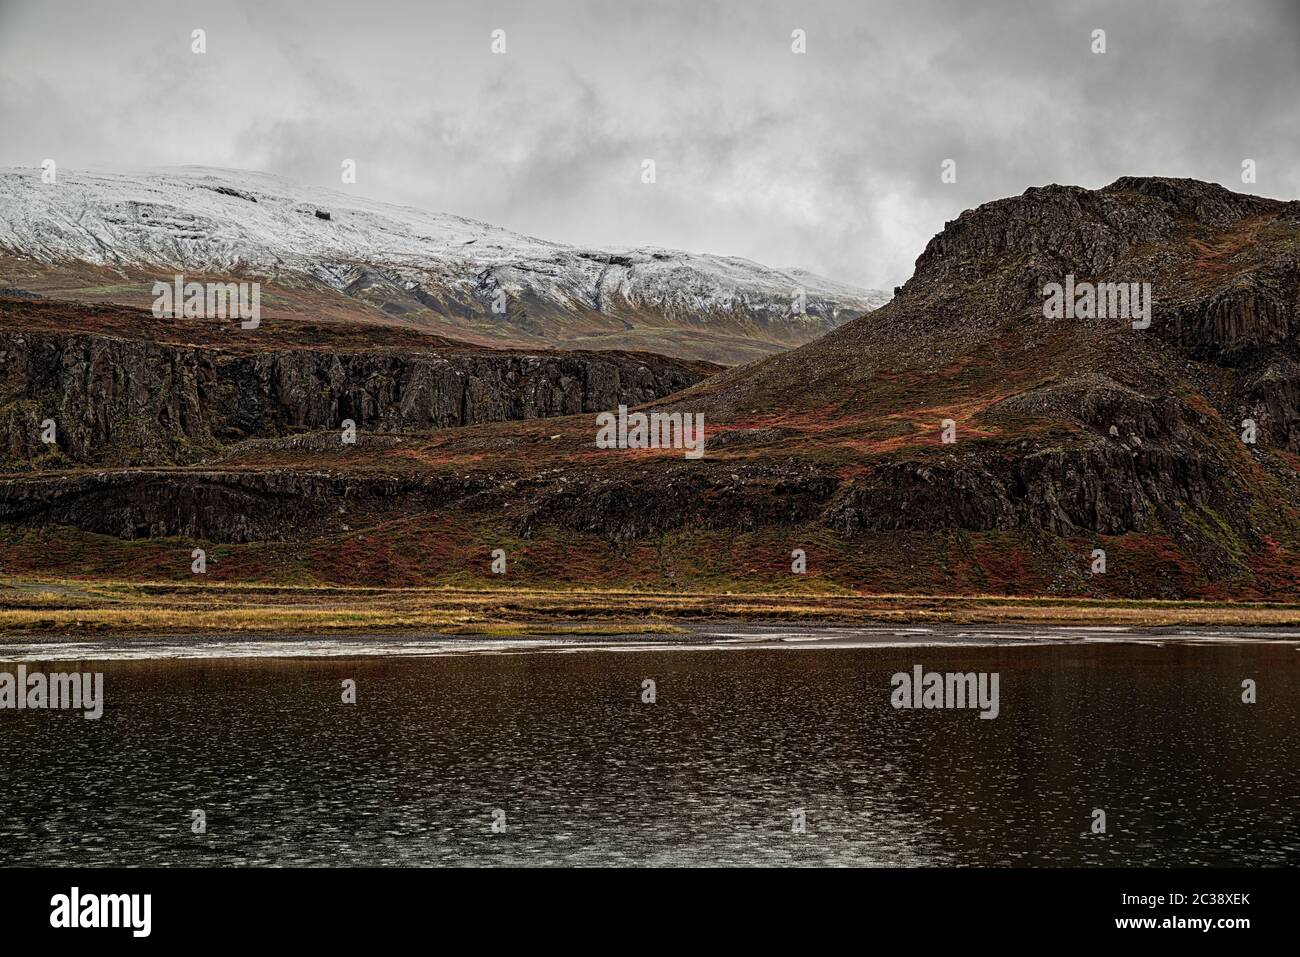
[(1071, 438), (327, 252)]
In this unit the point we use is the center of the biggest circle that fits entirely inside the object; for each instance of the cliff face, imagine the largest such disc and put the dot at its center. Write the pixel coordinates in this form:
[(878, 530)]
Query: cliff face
[(220, 506), (136, 402)]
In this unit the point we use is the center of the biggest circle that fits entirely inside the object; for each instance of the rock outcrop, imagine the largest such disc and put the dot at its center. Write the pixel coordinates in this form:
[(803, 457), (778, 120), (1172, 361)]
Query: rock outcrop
[(136, 402)]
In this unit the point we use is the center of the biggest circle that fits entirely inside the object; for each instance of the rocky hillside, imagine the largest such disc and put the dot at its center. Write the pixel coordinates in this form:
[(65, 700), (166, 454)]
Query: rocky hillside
[(124, 388), (324, 253), (956, 440)]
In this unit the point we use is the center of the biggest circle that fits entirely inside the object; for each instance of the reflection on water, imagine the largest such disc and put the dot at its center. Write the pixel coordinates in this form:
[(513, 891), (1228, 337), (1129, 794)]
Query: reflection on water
[(587, 774)]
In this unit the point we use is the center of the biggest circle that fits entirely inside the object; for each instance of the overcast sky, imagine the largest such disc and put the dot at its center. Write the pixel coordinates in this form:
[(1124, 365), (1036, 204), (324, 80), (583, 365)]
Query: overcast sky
[(828, 161)]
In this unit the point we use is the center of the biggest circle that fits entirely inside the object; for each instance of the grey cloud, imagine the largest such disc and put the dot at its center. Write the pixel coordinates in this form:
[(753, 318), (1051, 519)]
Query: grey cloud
[(828, 161)]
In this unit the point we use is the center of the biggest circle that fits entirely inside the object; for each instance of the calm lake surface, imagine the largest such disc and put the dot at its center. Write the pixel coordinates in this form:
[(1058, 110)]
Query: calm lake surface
[(748, 725)]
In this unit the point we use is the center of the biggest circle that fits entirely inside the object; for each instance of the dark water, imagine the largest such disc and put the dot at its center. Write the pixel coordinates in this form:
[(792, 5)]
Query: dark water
[(1155, 736)]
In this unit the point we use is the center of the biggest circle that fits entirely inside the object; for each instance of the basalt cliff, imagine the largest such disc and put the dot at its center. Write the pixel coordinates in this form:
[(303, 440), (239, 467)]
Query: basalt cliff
[(124, 388)]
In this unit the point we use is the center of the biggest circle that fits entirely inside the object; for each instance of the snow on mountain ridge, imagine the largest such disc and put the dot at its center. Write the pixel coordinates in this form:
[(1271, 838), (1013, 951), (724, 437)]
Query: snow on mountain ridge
[(225, 221)]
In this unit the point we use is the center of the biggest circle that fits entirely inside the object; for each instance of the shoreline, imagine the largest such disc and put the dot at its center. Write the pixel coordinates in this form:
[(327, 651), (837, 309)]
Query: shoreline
[(714, 635), (63, 609), (707, 637)]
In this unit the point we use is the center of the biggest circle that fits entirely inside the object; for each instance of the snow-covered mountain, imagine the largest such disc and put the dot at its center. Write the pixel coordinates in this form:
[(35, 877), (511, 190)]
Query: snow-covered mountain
[(413, 267)]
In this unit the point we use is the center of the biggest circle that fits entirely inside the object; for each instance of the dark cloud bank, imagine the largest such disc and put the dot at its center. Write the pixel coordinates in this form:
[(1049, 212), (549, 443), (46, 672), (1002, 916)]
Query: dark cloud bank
[(828, 161)]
